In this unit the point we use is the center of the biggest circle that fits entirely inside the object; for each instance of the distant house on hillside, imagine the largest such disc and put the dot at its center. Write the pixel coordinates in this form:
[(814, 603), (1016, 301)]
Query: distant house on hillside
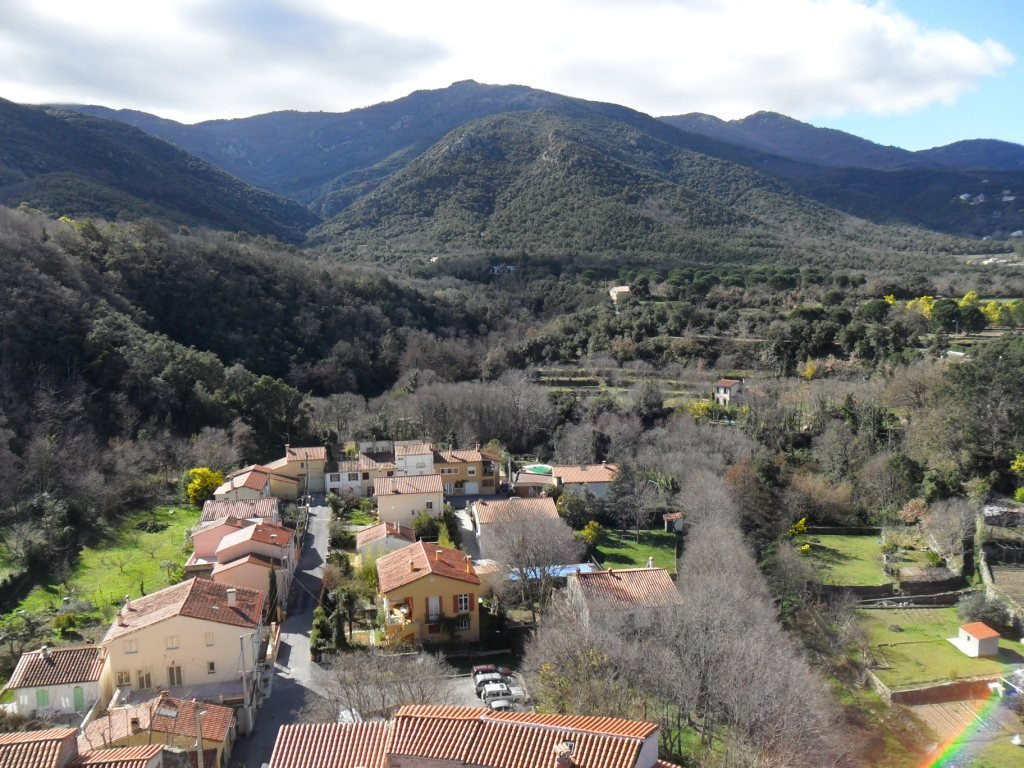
[(728, 392), (595, 478), (977, 639), (619, 290)]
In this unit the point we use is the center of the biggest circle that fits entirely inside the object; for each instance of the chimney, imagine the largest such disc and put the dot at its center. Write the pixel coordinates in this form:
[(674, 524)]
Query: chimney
[(45, 652), (232, 598), (563, 754), (476, 447), (438, 553), (412, 566), (650, 562), (273, 537), (127, 602), (136, 725), (469, 565)]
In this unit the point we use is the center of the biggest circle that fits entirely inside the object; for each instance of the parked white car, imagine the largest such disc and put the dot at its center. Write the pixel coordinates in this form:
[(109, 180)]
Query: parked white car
[(488, 678), (494, 691), (501, 705)]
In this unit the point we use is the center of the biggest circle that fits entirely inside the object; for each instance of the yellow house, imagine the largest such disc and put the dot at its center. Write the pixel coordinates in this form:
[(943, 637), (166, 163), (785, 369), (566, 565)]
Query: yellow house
[(304, 464), (467, 473), (257, 482), (196, 633), (400, 499), (429, 595), (164, 719)]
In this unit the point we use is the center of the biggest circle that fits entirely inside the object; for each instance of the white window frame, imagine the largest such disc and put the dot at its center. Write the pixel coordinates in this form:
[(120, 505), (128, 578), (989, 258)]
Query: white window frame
[(210, 639), (463, 603), (144, 676), (211, 667), (464, 622), (471, 471), (123, 679), (174, 676)]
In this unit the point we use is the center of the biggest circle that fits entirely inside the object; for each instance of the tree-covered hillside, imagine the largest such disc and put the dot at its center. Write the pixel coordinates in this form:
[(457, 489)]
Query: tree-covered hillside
[(71, 165)]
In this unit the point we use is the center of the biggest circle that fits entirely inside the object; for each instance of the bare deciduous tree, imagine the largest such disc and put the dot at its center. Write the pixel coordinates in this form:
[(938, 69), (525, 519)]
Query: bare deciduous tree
[(531, 551), (374, 683), (947, 523)]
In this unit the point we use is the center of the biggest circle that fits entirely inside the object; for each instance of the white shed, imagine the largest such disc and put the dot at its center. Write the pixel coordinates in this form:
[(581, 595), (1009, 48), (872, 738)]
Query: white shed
[(978, 639)]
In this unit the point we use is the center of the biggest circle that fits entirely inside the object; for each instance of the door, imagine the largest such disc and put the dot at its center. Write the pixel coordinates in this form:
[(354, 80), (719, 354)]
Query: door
[(433, 608), (472, 489), (79, 695), (173, 676)]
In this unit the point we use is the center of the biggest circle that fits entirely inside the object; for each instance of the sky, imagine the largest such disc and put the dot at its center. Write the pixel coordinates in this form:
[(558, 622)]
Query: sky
[(912, 73)]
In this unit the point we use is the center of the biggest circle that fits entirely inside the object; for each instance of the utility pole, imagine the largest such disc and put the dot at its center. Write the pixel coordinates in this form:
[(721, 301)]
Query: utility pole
[(199, 735)]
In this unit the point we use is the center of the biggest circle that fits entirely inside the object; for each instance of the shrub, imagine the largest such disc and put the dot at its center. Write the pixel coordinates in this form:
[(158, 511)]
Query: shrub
[(1018, 495), (340, 537), (425, 525)]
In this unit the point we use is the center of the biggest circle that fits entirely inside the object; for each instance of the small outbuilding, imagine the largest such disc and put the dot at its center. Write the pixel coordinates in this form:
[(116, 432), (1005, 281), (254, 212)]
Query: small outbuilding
[(977, 639)]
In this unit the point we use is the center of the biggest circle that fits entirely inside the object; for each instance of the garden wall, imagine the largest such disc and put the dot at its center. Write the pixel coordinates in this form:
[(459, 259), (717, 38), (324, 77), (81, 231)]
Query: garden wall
[(880, 592), (837, 530)]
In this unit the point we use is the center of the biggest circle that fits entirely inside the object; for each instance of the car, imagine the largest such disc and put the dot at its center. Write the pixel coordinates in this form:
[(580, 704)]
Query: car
[(488, 678), (493, 691), (518, 694), (501, 705), (485, 669)]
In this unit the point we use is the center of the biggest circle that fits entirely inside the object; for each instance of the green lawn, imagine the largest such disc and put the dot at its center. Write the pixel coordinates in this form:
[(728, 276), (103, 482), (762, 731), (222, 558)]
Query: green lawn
[(621, 550), (921, 653), (119, 566), (999, 754), (847, 560), (359, 517)]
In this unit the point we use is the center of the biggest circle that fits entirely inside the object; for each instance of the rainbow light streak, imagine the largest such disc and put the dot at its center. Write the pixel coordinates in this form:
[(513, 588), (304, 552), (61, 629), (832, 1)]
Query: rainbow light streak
[(959, 748)]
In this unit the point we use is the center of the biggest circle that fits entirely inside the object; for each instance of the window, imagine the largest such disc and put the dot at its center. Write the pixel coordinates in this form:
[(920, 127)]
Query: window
[(124, 678), (211, 667), (145, 681), (209, 638), (172, 642), (174, 676), (471, 471), (463, 604), (42, 698), (463, 623), (448, 488), (430, 505), (131, 646), (366, 475), (333, 477), (353, 477)]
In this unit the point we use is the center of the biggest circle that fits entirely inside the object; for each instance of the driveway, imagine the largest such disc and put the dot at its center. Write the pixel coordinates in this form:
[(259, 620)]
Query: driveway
[(296, 681)]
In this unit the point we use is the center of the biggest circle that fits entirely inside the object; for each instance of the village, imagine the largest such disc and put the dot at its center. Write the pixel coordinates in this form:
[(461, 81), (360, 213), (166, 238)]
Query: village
[(405, 545)]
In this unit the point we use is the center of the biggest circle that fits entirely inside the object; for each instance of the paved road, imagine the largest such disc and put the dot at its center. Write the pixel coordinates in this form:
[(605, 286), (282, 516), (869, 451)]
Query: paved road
[(297, 681)]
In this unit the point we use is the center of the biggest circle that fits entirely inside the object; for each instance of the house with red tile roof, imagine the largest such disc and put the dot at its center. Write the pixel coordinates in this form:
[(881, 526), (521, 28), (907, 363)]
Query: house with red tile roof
[(147, 756), (62, 680), (257, 482), (595, 478), (50, 748), (490, 515), (242, 553), (623, 588), (429, 595), (305, 464), (256, 510), (728, 391), (471, 737), (401, 499), (165, 720), (383, 537), (187, 635)]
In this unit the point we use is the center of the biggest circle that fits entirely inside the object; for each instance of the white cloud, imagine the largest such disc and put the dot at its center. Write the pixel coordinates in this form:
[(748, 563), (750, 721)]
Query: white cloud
[(196, 59)]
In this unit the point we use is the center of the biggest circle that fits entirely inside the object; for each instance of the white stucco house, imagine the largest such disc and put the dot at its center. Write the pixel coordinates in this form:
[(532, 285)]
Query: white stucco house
[(59, 681), (400, 499)]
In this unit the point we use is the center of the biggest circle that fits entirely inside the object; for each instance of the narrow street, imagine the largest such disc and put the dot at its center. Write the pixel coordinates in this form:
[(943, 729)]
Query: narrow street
[(296, 680)]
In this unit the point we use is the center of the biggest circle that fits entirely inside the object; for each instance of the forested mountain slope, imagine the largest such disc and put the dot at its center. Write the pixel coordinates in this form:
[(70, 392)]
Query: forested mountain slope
[(331, 161), (69, 164), (575, 180)]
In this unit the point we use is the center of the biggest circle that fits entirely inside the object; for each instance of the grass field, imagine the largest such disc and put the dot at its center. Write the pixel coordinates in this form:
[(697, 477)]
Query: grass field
[(920, 653), (848, 560), (120, 565), (621, 550)]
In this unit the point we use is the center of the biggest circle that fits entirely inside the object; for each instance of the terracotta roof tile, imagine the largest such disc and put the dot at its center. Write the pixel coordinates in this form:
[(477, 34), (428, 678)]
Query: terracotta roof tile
[(406, 565), (262, 533), (727, 383), (60, 666), (248, 508), (585, 473), (196, 598), (310, 453), (478, 737), (383, 461), (36, 749), (979, 630), (121, 757), (261, 560), (515, 509), (649, 587), (412, 448), (390, 486), (330, 745), (382, 530), (161, 714)]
